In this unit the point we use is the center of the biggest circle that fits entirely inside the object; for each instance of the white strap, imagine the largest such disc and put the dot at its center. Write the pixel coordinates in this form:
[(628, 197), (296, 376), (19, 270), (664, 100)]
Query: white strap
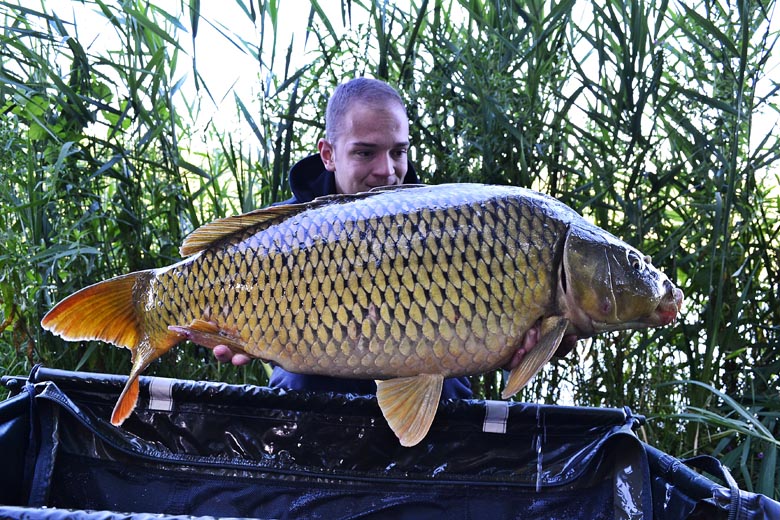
[(496, 415), (160, 397)]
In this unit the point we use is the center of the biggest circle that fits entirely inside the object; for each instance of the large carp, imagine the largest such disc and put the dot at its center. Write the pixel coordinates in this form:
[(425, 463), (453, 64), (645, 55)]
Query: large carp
[(406, 285)]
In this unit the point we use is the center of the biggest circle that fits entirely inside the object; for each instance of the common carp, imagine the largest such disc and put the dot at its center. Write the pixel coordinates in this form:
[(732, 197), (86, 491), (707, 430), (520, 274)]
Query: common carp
[(406, 285)]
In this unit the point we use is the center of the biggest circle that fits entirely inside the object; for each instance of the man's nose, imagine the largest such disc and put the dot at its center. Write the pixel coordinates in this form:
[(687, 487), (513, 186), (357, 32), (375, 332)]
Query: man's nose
[(386, 166)]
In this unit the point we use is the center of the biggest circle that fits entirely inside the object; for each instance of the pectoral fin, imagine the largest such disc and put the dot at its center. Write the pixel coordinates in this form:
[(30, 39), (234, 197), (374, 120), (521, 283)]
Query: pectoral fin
[(550, 336), (208, 334), (409, 405)]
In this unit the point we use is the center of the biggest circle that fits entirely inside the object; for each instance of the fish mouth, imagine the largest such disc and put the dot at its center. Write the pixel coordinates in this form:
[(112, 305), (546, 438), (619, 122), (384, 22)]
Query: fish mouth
[(669, 308)]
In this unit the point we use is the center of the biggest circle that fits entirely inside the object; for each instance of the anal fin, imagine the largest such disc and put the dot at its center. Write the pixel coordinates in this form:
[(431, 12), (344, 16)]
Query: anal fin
[(550, 336), (409, 405)]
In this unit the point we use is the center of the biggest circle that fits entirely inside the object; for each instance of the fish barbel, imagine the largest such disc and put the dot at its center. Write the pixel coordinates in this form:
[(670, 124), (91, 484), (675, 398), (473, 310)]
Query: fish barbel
[(406, 285)]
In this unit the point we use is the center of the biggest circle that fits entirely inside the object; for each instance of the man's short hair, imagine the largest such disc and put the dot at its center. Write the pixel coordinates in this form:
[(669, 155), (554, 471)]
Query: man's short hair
[(358, 90)]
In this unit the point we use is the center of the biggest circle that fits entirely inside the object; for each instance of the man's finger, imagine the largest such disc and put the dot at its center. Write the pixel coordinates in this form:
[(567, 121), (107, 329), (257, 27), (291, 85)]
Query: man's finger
[(223, 354), (240, 359)]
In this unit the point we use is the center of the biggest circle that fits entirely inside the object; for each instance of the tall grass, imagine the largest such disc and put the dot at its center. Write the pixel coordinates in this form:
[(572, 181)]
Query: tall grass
[(644, 116)]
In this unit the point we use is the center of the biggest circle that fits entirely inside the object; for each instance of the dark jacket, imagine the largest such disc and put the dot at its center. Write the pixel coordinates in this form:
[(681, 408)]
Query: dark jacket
[(308, 180)]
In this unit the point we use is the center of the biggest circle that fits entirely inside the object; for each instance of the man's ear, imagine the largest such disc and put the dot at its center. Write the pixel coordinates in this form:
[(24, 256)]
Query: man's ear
[(326, 153)]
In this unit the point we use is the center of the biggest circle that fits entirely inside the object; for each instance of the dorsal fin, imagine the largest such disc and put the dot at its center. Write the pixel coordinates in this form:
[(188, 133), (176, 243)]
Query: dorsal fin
[(207, 234), (395, 187), (339, 198)]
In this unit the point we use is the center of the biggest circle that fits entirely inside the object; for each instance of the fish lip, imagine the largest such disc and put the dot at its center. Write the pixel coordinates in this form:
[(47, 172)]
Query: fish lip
[(669, 307), (667, 314)]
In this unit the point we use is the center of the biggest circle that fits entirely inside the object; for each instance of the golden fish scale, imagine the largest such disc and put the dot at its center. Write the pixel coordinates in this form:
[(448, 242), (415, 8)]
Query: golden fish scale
[(375, 291)]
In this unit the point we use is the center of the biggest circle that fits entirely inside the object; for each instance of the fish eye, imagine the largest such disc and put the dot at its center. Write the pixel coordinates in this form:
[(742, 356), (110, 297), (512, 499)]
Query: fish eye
[(635, 261)]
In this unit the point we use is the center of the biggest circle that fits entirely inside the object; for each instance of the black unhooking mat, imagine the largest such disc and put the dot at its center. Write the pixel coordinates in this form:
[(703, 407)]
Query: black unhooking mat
[(200, 449)]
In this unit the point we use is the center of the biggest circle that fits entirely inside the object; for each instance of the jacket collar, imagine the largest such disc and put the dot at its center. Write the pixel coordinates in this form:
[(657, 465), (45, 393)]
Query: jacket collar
[(309, 179)]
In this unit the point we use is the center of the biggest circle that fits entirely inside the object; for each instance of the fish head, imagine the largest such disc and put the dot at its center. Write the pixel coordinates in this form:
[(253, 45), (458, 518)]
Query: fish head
[(609, 285)]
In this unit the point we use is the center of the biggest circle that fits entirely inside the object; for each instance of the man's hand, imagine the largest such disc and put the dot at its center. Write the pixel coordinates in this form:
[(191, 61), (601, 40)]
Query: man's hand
[(530, 340), (225, 355)]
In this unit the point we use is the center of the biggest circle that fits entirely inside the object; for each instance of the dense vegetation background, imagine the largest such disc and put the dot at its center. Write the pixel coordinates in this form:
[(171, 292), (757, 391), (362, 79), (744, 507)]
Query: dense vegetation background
[(653, 119)]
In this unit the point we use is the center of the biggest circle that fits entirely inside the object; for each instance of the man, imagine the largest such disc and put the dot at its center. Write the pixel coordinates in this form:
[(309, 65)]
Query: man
[(365, 145)]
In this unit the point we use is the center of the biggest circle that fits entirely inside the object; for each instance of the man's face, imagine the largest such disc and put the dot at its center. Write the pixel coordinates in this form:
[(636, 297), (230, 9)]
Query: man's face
[(370, 150)]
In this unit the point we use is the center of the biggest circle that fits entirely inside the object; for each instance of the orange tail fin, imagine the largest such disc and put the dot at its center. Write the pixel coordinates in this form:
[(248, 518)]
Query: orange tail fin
[(103, 311), (107, 311)]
